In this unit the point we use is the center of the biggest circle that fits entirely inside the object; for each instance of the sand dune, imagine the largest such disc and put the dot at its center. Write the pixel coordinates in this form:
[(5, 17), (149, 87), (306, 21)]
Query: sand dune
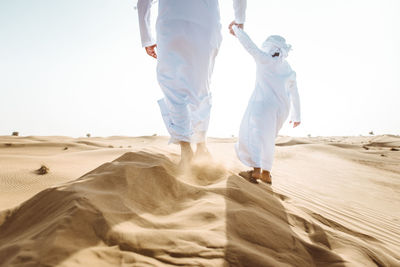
[(334, 202)]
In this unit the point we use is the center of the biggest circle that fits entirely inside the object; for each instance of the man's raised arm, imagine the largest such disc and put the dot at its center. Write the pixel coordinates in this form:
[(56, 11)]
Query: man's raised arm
[(239, 6)]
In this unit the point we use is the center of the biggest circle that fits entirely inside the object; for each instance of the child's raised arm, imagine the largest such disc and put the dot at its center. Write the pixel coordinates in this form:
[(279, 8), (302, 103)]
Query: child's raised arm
[(250, 46)]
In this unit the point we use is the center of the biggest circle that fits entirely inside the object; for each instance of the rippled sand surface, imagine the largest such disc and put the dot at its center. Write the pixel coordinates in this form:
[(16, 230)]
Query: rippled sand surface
[(124, 201)]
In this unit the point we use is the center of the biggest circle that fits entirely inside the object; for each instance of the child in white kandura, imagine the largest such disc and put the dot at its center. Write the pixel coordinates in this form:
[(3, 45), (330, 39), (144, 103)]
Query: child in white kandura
[(269, 105)]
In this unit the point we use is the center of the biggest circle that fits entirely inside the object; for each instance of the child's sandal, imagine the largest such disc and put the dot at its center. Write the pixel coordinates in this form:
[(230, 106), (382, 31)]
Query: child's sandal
[(253, 180), (266, 180), (248, 175)]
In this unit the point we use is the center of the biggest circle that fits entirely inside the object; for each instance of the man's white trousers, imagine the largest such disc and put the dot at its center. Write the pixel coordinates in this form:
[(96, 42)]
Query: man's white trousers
[(186, 53)]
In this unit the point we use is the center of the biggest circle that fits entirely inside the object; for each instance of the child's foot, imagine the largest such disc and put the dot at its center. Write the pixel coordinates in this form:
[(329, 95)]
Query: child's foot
[(249, 176), (266, 177)]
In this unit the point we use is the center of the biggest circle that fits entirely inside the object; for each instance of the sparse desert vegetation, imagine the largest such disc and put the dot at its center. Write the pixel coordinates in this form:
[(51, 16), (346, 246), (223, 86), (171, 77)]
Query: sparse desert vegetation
[(42, 170)]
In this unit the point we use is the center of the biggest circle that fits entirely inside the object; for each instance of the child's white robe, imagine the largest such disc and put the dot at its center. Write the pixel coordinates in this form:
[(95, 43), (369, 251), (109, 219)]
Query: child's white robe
[(188, 39), (268, 108)]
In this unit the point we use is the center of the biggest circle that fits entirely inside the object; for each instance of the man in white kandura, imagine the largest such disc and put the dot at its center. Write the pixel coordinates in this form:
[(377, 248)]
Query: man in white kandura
[(188, 39), (269, 105)]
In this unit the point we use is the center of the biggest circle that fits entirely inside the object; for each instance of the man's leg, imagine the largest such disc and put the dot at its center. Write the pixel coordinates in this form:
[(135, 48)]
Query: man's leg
[(200, 111), (202, 151), (185, 62), (186, 153), (175, 57)]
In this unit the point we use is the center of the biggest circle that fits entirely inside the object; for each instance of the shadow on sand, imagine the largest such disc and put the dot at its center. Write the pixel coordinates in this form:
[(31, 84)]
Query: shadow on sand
[(259, 230)]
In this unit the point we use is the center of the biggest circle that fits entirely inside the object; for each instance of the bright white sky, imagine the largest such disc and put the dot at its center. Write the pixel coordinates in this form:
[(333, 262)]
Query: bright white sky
[(75, 67)]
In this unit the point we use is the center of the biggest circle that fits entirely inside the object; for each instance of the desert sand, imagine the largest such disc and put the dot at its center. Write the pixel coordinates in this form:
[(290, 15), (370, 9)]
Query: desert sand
[(123, 201)]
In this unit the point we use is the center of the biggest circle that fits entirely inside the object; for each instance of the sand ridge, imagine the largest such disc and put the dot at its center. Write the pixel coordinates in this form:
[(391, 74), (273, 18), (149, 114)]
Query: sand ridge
[(325, 208)]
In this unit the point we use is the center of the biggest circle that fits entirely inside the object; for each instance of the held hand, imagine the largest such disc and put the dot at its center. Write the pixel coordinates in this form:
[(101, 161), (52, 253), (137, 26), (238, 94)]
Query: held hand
[(295, 124), (150, 50), (231, 25)]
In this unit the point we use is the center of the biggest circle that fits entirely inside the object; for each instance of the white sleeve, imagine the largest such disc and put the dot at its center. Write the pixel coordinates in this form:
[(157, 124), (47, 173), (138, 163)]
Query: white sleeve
[(144, 8), (250, 46), (239, 6), (295, 100)]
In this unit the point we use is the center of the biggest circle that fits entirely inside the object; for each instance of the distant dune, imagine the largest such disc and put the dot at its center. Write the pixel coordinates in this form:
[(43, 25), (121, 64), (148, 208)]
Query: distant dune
[(123, 201)]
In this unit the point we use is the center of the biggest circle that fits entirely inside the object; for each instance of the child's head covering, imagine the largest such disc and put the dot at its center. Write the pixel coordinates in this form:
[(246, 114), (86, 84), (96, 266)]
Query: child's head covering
[(276, 44)]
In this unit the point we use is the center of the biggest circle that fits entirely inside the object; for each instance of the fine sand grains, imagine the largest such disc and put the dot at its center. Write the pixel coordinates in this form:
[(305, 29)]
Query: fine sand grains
[(332, 203)]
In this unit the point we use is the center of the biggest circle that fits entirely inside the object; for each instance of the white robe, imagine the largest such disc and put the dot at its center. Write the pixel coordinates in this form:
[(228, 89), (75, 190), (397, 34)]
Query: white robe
[(268, 108), (188, 39)]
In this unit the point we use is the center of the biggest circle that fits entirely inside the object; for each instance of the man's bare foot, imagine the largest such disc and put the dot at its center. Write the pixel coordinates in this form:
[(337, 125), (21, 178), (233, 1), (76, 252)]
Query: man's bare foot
[(202, 151), (266, 177), (186, 154)]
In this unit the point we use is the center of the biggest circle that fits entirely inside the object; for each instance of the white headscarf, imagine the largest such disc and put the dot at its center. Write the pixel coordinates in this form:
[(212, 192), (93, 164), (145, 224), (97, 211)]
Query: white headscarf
[(276, 44)]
